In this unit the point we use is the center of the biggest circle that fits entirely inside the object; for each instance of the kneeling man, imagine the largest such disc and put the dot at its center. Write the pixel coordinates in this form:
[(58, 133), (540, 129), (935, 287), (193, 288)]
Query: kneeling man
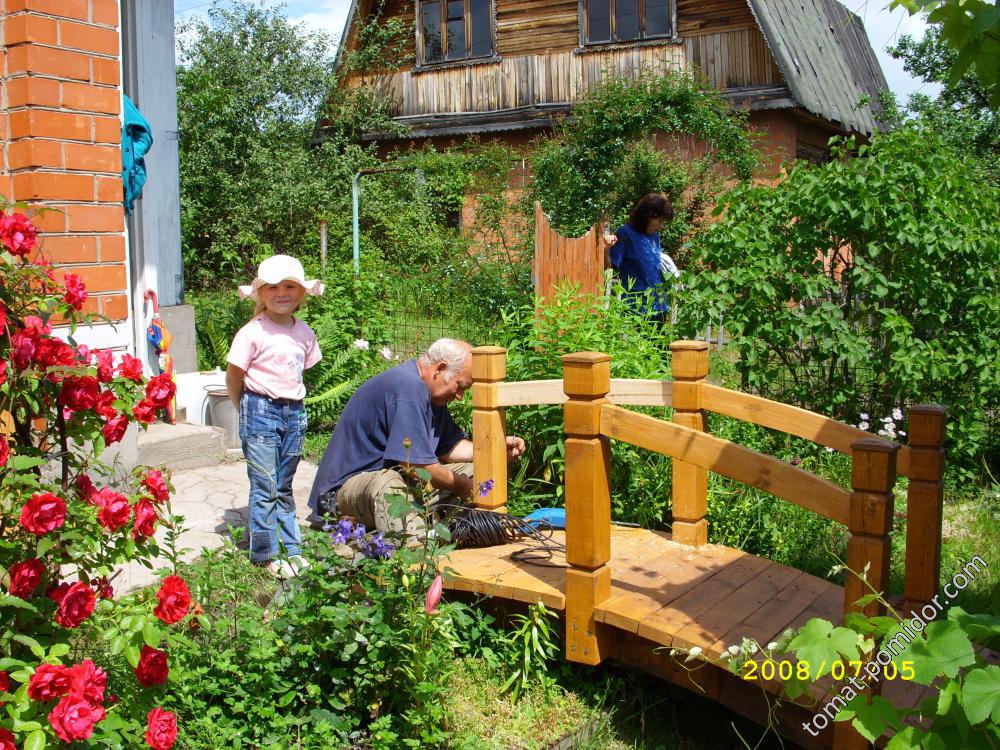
[(397, 418)]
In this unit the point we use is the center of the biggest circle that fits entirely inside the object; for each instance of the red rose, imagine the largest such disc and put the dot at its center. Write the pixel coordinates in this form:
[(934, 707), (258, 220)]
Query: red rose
[(25, 577), (49, 681), (3, 371), (79, 393), (103, 588), (4, 450), (6, 739), (17, 233), (43, 513), (130, 367), (174, 598), (83, 353), (88, 681), (152, 668), (86, 487), (76, 291), (114, 509), (160, 390), (105, 365), (22, 350), (74, 717), (4, 683), (114, 429), (145, 411), (57, 592), (76, 605), (156, 483), (53, 352), (161, 729), (105, 406), (145, 519), (36, 325)]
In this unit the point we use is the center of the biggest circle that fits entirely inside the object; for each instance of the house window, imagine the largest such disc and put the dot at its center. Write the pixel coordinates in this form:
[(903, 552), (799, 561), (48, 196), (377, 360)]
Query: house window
[(606, 21), (455, 30)]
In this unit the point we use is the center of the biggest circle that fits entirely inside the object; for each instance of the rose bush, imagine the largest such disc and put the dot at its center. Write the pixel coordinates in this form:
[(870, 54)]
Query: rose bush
[(68, 522)]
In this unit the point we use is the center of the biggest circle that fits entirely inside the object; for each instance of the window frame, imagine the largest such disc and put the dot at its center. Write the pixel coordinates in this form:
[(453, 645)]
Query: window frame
[(421, 61), (642, 39)]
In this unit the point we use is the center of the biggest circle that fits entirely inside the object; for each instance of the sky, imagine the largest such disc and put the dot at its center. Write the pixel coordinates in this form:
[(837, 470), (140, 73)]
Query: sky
[(884, 28)]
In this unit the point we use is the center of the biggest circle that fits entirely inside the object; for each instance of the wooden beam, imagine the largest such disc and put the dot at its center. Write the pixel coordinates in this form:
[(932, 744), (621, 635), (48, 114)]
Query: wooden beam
[(489, 428), (924, 503), (690, 487)]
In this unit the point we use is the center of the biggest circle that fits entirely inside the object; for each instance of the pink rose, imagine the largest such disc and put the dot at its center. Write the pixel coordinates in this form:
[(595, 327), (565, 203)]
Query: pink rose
[(114, 429), (160, 390), (43, 513), (156, 483), (88, 680), (145, 411), (161, 729), (4, 450), (174, 600), (114, 509), (79, 393), (22, 350), (145, 519), (131, 368), (25, 577), (76, 291), (6, 739), (3, 371), (49, 681), (105, 365), (105, 406), (76, 605), (74, 717), (152, 668), (17, 233), (86, 486)]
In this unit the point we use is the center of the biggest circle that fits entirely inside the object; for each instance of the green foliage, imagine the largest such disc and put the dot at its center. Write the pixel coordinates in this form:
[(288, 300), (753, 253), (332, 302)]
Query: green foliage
[(217, 318), (600, 161), (534, 643), (892, 260)]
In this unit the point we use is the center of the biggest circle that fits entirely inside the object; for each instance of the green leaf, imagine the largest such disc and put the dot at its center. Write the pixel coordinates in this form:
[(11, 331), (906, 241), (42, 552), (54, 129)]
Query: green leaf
[(132, 655), (981, 694), (909, 738), (58, 649), (943, 648), (22, 463), (819, 644), (27, 640), (151, 634), (35, 741), (946, 697), (871, 719), (6, 600)]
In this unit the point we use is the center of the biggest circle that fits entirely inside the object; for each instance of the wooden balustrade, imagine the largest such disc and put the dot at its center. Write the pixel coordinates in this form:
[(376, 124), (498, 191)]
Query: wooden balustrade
[(690, 485), (489, 462), (587, 380), (924, 502)]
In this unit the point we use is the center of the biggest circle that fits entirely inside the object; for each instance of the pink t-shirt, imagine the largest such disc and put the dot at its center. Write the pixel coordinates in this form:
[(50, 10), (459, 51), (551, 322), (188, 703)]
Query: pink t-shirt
[(274, 357)]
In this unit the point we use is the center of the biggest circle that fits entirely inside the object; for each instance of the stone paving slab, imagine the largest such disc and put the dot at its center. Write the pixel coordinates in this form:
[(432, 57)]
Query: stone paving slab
[(211, 499)]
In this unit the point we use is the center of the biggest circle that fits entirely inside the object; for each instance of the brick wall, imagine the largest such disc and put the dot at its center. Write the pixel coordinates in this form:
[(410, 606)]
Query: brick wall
[(60, 134)]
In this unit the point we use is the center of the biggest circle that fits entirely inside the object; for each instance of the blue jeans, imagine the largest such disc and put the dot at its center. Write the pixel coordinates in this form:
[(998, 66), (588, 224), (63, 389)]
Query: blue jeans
[(272, 432)]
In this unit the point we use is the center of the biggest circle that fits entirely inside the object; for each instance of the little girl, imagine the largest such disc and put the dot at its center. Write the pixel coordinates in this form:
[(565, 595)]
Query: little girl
[(264, 380)]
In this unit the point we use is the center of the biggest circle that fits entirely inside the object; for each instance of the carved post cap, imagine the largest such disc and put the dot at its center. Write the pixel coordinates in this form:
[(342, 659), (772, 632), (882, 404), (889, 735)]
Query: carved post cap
[(586, 374), (927, 425), (683, 345), (689, 360), (489, 363), (873, 466)]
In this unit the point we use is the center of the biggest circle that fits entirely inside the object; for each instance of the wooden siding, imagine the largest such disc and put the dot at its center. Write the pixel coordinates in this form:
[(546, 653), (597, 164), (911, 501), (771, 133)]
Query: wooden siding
[(733, 59), (530, 26)]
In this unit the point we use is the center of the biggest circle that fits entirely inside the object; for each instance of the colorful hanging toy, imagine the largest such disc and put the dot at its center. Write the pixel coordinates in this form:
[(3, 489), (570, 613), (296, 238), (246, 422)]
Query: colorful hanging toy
[(161, 339)]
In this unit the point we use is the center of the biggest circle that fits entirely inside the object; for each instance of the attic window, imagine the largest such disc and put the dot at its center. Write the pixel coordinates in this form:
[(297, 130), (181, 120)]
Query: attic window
[(608, 21), (451, 30)]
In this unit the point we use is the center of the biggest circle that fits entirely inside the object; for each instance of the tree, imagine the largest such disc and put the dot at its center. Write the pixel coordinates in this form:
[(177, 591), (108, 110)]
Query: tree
[(961, 113)]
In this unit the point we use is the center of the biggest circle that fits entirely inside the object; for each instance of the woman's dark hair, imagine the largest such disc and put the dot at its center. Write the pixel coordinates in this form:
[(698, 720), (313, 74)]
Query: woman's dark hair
[(648, 207)]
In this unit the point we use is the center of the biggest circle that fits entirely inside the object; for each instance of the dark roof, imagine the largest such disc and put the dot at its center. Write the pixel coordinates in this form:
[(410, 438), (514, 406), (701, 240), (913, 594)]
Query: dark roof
[(824, 55)]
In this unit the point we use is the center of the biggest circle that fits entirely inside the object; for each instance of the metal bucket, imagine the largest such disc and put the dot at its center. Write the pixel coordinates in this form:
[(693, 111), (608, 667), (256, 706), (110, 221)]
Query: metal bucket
[(221, 413)]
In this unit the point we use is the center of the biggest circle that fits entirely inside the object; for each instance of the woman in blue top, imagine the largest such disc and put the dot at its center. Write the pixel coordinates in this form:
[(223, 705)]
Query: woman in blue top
[(634, 251)]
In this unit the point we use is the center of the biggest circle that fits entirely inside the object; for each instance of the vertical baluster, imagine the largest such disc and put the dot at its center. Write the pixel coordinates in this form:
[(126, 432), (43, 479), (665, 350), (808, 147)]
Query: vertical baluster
[(690, 490), (924, 500), (489, 426)]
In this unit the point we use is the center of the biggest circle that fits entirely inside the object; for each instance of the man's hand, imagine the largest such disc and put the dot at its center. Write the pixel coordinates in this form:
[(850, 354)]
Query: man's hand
[(515, 447)]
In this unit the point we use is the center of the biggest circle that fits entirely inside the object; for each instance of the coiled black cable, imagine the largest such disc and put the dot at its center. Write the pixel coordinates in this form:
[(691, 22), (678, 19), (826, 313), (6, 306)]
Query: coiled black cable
[(472, 527)]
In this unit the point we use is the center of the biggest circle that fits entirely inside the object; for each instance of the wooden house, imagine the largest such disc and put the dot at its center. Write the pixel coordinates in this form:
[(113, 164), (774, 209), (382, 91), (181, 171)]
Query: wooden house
[(508, 67)]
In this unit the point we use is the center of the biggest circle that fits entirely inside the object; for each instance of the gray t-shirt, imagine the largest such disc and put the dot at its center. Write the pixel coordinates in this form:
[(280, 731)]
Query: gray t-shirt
[(385, 410)]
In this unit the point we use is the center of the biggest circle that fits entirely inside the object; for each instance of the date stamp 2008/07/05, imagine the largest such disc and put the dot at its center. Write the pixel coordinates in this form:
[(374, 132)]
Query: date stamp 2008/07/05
[(803, 670)]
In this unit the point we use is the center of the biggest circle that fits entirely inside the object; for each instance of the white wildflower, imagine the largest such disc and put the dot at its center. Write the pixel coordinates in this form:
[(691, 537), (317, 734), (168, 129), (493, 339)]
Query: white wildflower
[(864, 416), (386, 352), (361, 344), (863, 424), (772, 646), (694, 653), (897, 414), (733, 650)]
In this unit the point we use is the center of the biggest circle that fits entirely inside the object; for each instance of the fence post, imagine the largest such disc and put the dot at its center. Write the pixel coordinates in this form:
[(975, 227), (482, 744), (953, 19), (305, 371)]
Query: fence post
[(924, 500), (690, 490), (489, 427), (586, 381)]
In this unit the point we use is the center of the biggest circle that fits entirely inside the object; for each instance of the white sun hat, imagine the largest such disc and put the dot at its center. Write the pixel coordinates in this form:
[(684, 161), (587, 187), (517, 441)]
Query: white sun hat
[(279, 268)]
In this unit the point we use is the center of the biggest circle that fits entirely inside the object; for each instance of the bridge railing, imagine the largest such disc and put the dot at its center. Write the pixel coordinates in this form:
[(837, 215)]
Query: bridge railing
[(592, 399)]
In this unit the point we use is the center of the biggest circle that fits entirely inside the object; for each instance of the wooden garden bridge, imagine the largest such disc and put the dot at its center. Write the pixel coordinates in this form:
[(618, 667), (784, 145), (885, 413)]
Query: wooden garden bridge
[(625, 592)]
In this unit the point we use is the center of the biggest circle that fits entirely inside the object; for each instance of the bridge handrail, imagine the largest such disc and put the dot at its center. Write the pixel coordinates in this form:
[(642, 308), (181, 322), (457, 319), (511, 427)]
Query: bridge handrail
[(728, 459), (624, 391)]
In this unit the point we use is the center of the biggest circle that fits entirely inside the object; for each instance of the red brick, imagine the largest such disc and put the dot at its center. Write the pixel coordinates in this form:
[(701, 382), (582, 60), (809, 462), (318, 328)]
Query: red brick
[(62, 8), (28, 27), (61, 63), (61, 186), (90, 98), (69, 248), (113, 246), (50, 218), (95, 218), (114, 306), (101, 278), (93, 158), (40, 123), (107, 130), (89, 38), (109, 189), (105, 12), (34, 152), (32, 91), (107, 72)]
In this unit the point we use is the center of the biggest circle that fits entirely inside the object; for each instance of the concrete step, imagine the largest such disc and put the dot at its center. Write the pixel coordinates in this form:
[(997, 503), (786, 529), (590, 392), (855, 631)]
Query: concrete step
[(181, 446)]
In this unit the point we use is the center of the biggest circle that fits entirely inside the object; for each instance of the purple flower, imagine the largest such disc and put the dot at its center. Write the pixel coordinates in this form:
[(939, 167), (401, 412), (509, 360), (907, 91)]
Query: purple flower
[(343, 531), (485, 488), (377, 548)]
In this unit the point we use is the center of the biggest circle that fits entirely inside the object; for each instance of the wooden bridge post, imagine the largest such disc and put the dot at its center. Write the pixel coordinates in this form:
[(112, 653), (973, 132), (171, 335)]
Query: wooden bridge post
[(924, 501), (489, 427), (873, 474), (587, 381), (690, 490)]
